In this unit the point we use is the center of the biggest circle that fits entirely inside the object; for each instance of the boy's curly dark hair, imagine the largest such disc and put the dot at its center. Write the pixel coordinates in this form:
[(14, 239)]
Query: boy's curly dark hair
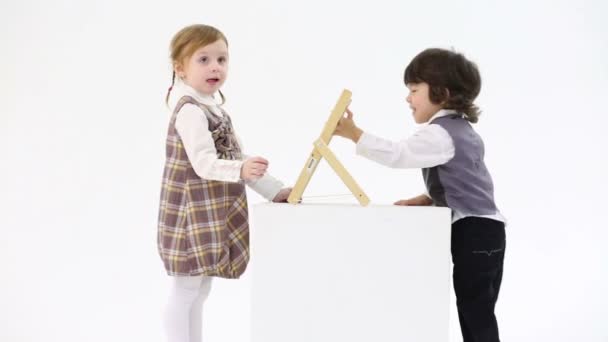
[(453, 80)]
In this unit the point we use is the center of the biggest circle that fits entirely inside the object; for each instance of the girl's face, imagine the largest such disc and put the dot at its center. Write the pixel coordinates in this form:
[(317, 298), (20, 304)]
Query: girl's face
[(420, 103), (206, 69)]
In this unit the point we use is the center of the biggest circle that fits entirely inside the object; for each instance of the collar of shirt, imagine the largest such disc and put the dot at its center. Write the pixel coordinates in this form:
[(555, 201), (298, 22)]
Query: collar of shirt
[(181, 89), (440, 113)]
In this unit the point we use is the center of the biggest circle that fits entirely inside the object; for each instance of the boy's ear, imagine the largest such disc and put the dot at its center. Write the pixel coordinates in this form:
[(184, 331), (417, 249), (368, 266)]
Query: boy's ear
[(447, 96)]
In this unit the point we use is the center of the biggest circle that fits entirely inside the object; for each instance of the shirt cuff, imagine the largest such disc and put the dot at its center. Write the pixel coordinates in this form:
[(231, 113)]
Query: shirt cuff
[(267, 186), (362, 146)]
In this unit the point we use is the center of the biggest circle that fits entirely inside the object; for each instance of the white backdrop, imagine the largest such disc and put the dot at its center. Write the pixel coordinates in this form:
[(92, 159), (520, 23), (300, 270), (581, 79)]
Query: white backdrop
[(83, 122)]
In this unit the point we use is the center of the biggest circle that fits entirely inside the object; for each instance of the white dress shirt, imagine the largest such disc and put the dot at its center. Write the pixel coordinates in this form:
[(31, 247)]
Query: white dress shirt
[(193, 128), (430, 146)]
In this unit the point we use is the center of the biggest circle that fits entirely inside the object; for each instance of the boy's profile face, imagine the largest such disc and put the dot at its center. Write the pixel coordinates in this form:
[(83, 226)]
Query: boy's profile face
[(420, 103)]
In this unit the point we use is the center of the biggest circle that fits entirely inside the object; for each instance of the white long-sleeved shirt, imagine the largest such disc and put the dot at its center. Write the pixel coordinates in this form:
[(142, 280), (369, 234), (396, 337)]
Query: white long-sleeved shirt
[(193, 128), (430, 146)]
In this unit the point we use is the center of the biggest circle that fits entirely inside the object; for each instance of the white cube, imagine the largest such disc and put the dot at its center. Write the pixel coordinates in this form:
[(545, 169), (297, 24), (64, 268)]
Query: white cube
[(341, 272)]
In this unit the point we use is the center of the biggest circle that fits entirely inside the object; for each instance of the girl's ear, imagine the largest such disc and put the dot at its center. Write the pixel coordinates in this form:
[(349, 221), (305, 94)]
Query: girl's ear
[(178, 67)]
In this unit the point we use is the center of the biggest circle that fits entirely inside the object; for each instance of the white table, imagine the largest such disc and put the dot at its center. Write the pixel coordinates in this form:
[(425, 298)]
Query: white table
[(342, 272)]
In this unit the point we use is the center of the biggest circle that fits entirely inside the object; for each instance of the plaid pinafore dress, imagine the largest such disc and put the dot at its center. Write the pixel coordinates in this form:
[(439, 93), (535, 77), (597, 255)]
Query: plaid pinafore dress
[(203, 224)]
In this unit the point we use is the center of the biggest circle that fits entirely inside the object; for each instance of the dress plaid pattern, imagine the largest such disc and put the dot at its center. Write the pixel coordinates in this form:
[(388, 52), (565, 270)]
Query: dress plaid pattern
[(203, 224)]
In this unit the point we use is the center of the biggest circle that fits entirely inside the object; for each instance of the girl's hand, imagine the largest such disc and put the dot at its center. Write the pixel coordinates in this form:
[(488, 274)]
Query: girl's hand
[(421, 200), (346, 128), (282, 196), (253, 168)]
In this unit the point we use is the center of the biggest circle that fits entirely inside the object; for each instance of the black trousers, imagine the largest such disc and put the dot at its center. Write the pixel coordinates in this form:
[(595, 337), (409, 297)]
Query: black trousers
[(478, 250)]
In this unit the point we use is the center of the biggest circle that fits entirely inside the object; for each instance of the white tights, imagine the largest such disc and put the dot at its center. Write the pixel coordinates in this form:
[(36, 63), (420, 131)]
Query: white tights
[(184, 312)]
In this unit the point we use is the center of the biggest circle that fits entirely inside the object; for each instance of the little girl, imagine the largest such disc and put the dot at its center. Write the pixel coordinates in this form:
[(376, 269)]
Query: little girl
[(442, 87), (203, 228)]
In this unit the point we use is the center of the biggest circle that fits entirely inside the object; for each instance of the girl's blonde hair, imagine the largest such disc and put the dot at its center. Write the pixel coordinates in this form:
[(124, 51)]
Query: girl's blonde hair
[(187, 41)]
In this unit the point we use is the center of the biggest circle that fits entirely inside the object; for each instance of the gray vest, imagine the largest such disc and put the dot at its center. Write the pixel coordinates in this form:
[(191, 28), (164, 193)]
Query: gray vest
[(463, 183)]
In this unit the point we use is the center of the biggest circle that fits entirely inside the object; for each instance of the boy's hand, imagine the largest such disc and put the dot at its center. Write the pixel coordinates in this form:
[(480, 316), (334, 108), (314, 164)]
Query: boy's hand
[(253, 168), (346, 128), (282, 196), (415, 201)]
